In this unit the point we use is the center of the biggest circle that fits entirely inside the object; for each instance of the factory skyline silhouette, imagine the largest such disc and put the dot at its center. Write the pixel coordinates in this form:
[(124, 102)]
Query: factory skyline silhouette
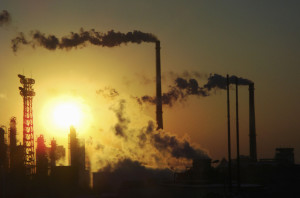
[(142, 137)]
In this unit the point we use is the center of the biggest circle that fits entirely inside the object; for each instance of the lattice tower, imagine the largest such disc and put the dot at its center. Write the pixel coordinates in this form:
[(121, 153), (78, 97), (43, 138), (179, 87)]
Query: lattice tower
[(28, 93)]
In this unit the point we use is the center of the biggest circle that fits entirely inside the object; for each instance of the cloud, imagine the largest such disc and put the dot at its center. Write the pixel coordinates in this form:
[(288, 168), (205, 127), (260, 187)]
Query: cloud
[(5, 18)]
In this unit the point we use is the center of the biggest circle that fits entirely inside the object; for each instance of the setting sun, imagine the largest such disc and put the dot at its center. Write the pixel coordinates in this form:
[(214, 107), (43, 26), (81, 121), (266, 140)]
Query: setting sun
[(67, 114), (61, 112)]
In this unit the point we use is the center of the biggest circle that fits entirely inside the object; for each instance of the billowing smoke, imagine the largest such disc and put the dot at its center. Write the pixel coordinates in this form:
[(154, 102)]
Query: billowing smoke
[(5, 17), (122, 124), (134, 136), (160, 140), (108, 92), (178, 92), (74, 40), (165, 142), (183, 88), (220, 82)]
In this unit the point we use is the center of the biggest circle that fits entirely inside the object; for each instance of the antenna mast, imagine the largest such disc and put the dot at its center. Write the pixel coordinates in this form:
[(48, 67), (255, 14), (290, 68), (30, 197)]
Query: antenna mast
[(28, 93)]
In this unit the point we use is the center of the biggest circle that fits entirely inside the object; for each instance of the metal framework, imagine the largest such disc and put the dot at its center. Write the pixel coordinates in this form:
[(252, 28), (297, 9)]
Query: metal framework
[(28, 93)]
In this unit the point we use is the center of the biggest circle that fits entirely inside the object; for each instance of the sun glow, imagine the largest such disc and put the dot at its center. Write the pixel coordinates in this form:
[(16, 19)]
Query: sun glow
[(67, 114), (62, 112)]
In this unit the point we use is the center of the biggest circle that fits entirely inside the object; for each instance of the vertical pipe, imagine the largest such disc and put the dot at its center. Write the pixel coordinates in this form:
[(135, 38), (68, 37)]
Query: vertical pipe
[(237, 137), (252, 130), (229, 144), (159, 118)]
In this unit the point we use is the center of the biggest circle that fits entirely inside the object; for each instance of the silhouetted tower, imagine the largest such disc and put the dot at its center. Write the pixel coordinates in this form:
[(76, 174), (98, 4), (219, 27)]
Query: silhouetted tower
[(12, 141), (41, 157), (77, 151), (73, 147), (159, 116), (252, 130), (52, 154), (2, 149), (28, 93)]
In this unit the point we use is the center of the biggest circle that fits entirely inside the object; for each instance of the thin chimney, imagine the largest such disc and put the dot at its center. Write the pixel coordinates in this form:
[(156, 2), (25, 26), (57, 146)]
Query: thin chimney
[(252, 130), (228, 133), (237, 134), (159, 117)]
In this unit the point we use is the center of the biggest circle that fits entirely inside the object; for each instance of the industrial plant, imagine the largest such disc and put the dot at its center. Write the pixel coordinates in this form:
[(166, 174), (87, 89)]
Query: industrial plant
[(29, 172)]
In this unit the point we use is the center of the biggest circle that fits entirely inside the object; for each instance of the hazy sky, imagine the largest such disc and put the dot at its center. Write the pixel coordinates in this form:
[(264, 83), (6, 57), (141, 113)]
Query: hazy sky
[(257, 40)]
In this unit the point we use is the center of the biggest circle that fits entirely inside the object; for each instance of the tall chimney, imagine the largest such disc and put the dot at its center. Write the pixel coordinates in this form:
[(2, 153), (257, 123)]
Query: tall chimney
[(252, 130), (73, 147), (159, 118), (228, 134)]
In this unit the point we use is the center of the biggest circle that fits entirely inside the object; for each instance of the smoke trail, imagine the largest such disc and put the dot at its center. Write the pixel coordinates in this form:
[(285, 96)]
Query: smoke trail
[(160, 140), (5, 17), (140, 141), (20, 39), (218, 81), (178, 92), (184, 88), (122, 124), (109, 39), (108, 92), (165, 142)]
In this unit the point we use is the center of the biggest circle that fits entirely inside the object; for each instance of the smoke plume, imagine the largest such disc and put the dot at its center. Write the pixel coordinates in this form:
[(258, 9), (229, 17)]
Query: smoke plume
[(183, 88), (5, 17), (140, 141), (160, 140), (220, 82), (74, 40), (122, 124), (165, 142), (108, 93)]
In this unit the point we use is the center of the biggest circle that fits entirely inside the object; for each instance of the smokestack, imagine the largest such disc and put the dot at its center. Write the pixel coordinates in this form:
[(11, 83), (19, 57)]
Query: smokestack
[(52, 154), (237, 134), (41, 157), (252, 130), (228, 133), (159, 118), (73, 147), (13, 142), (2, 148)]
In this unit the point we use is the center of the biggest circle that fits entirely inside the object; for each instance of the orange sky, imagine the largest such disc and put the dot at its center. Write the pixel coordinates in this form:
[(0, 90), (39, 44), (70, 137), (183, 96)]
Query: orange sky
[(258, 41)]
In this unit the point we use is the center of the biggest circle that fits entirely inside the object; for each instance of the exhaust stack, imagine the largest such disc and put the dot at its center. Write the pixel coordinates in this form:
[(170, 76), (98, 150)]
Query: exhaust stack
[(252, 130), (159, 118)]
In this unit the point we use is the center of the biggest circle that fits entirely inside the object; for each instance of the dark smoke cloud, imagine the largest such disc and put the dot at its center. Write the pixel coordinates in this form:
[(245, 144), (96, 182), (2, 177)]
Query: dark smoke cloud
[(5, 17), (74, 40), (122, 124), (165, 142), (178, 92), (108, 92), (184, 88), (20, 39), (220, 82), (186, 75)]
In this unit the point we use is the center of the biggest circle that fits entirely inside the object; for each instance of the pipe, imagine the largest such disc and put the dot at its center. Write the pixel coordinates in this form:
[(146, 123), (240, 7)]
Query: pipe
[(252, 130), (229, 144), (159, 117), (237, 136)]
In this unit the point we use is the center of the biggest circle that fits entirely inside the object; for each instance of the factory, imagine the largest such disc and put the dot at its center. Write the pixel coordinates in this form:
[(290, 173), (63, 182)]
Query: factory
[(26, 171)]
